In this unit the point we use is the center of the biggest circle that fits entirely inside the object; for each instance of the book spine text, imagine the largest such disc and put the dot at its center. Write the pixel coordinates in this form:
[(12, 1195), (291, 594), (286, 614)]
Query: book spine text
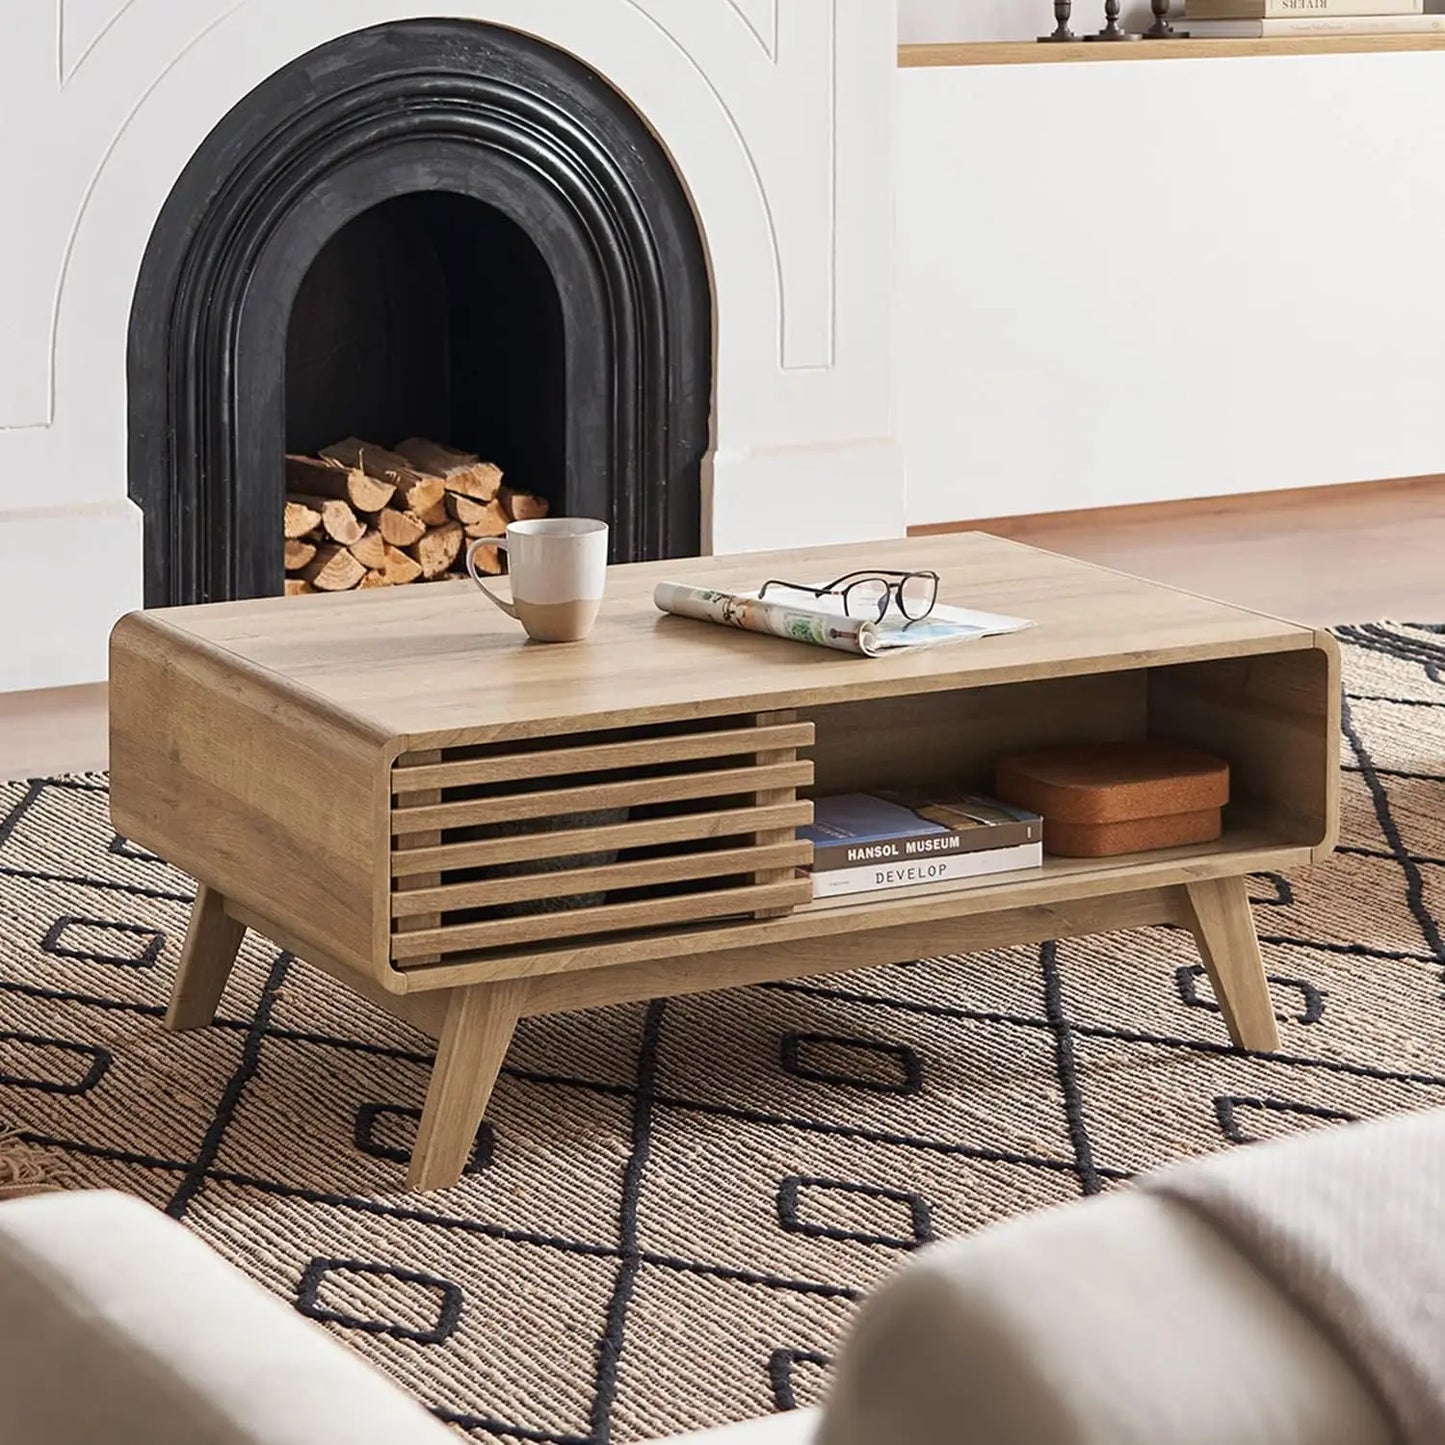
[(829, 857), (884, 876)]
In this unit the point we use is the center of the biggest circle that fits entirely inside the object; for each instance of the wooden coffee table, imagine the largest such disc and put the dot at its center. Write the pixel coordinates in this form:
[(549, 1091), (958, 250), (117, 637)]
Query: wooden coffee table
[(397, 787)]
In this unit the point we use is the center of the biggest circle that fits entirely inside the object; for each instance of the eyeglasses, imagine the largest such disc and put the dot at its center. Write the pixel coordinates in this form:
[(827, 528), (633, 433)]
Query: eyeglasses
[(915, 594)]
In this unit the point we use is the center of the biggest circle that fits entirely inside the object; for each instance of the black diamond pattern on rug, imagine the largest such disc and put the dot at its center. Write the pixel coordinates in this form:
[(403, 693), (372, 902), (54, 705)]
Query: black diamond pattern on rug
[(99, 940), (673, 1209), (346, 1292)]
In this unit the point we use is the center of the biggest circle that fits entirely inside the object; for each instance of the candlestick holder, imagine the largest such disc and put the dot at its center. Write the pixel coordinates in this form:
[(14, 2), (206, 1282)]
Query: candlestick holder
[(1112, 29), (1161, 29), (1063, 9)]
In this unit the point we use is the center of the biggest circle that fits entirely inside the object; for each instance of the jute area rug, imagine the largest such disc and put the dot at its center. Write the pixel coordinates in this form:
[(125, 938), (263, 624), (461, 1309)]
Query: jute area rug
[(674, 1208)]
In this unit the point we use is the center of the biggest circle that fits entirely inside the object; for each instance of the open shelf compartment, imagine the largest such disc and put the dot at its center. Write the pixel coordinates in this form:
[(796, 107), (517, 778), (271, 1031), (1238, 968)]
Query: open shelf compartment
[(1265, 715)]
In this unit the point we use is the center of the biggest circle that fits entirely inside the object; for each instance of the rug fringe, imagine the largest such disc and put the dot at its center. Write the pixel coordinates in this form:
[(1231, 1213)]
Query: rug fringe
[(26, 1169)]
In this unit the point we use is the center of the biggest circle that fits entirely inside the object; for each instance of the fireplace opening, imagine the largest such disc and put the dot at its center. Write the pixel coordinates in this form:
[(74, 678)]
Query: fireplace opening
[(425, 341), (432, 315), (431, 232)]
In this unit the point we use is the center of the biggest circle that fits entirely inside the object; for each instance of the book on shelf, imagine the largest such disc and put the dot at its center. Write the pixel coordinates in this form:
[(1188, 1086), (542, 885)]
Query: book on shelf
[(1317, 25), (1296, 9), (866, 842), (906, 891), (889, 877)]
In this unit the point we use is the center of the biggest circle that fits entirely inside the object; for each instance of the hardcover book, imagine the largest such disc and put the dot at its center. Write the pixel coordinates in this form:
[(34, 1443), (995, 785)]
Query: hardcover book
[(853, 830), (938, 869), (1318, 25), (1296, 9)]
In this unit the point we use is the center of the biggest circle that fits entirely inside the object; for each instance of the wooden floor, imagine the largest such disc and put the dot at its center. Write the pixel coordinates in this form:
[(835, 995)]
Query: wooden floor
[(1326, 555), (1321, 555), (60, 731)]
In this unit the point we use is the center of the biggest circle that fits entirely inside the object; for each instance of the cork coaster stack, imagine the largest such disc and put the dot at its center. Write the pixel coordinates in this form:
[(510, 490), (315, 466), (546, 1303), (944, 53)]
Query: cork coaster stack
[(1098, 800)]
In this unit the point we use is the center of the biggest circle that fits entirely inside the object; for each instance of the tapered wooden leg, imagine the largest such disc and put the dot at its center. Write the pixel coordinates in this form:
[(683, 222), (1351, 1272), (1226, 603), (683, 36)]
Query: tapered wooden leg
[(475, 1037), (1220, 920), (212, 941)]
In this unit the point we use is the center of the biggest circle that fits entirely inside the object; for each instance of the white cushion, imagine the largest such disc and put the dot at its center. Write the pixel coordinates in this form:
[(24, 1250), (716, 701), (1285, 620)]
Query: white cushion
[(1122, 1320), (116, 1324)]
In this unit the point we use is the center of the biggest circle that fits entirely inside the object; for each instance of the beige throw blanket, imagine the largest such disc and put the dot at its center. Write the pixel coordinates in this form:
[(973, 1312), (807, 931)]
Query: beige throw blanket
[(1350, 1223)]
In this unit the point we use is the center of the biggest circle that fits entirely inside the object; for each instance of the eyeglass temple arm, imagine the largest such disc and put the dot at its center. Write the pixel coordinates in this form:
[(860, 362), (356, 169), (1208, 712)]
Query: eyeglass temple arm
[(794, 587)]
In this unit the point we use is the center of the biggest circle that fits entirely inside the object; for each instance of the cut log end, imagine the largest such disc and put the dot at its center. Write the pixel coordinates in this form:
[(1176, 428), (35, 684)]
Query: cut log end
[(436, 552), (298, 553), (434, 514), (333, 569), (338, 520), (300, 519), (481, 519), (523, 506), (370, 551), (398, 568), (400, 529), (488, 560)]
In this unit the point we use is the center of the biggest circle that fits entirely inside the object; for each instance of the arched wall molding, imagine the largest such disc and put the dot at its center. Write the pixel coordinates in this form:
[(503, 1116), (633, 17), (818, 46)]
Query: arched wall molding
[(445, 106), (761, 17), (715, 95)]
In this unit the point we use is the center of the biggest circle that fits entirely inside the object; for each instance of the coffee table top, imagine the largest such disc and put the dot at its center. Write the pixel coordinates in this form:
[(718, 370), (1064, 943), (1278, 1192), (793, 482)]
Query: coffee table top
[(415, 661)]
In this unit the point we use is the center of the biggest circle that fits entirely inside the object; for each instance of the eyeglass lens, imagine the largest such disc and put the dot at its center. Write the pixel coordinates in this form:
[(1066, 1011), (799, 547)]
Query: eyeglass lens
[(868, 595), (916, 596)]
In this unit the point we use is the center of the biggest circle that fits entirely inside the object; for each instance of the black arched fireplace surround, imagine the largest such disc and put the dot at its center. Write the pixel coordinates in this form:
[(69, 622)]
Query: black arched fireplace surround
[(432, 227)]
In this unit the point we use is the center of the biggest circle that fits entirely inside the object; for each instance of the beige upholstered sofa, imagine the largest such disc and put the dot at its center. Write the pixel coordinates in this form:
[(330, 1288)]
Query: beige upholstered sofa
[(1124, 1319)]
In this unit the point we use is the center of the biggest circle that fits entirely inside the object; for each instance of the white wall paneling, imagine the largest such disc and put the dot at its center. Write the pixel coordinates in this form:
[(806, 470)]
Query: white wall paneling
[(777, 114), (1154, 280)]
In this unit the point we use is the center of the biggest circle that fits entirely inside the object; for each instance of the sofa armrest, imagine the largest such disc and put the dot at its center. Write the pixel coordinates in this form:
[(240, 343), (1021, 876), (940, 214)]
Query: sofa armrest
[(118, 1324), (1123, 1320)]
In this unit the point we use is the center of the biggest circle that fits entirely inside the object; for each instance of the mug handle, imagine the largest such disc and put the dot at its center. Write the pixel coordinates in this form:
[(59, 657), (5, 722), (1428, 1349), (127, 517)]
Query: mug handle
[(476, 577)]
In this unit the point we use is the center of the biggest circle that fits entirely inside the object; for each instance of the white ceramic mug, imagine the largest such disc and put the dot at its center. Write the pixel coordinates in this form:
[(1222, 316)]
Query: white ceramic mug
[(558, 570)]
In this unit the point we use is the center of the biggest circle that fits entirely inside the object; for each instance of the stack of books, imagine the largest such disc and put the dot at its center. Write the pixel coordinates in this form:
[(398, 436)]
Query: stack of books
[(1267, 19), (874, 842)]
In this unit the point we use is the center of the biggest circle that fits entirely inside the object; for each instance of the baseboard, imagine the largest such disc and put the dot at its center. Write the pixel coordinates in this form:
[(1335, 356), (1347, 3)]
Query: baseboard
[(1157, 512)]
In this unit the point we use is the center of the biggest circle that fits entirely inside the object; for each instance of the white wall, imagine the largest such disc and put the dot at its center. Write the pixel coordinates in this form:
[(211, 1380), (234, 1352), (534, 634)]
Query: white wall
[(1156, 280), (778, 116), (942, 20)]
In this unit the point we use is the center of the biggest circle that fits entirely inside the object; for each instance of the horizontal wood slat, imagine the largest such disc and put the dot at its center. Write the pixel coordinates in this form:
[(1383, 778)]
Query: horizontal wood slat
[(641, 873), (599, 757), (684, 828), (607, 918), (559, 802)]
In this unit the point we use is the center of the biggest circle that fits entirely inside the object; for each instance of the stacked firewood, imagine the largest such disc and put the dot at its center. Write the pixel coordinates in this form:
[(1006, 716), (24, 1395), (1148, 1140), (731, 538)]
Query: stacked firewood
[(360, 515)]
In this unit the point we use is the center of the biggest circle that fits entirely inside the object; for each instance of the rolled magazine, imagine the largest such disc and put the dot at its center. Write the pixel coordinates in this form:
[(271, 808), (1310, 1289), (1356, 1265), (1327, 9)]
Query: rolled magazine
[(821, 625)]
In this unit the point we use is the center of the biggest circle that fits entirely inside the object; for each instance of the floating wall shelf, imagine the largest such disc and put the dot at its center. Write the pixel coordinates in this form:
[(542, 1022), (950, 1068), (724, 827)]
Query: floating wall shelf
[(1032, 53)]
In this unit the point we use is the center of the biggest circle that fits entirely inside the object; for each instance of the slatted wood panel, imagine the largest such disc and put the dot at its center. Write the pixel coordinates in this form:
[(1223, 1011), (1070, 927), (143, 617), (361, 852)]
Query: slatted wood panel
[(414, 798), (781, 752), (503, 848)]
